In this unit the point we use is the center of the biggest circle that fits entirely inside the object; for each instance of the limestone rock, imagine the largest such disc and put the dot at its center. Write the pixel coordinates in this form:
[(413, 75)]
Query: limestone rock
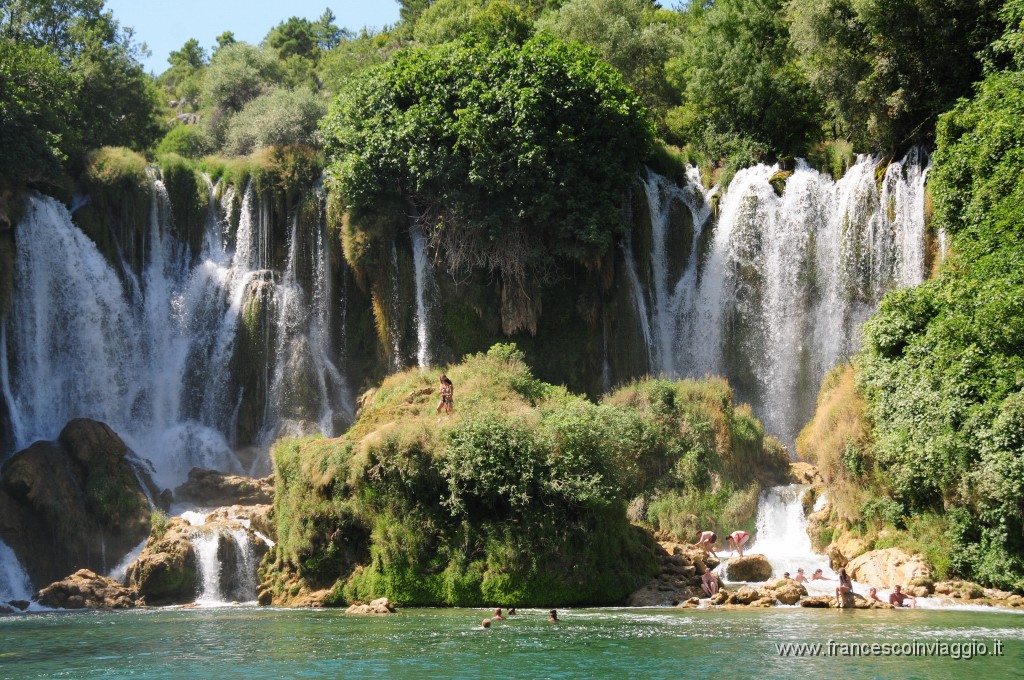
[(167, 571), (86, 589), (209, 488), (751, 568), (379, 606), (849, 545), (966, 590), (802, 472), (746, 595), (786, 591), (681, 566), (836, 559), (74, 503), (817, 602), (888, 567)]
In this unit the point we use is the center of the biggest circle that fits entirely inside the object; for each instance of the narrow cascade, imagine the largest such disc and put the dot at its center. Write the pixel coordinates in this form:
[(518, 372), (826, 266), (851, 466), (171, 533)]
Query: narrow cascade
[(245, 577), (775, 297), (206, 544), (14, 582), (155, 353), (120, 572), (424, 288), (781, 536)]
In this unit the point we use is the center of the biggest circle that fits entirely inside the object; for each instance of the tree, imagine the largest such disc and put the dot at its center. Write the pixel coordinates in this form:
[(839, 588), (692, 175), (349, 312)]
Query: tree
[(109, 98), (887, 68), (294, 36), (514, 158), (739, 76), (190, 57), (224, 39), (634, 36), (238, 73)]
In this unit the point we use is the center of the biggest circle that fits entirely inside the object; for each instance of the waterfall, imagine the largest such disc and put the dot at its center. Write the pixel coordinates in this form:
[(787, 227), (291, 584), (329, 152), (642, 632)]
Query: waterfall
[(120, 572), (14, 582), (155, 353), (206, 544), (422, 267), (775, 297), (781, 533)]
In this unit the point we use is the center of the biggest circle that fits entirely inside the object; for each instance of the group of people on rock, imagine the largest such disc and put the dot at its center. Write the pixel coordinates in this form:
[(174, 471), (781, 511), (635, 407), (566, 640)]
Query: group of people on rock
[(707, 539), (486, 623), (897, 598)]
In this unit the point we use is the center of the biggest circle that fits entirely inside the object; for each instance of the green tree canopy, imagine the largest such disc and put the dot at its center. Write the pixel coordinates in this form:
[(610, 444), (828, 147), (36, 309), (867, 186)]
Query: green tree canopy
[(104, 97), (511, 156), (634, 36), (739, 76), (887, 68)]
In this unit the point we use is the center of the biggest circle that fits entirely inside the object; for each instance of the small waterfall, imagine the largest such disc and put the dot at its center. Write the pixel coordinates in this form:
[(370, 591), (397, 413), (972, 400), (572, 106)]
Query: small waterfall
[(120, 572), (14, 582), (206, 544), (421, 263), (781, 533), (394, 320), (227, 564)]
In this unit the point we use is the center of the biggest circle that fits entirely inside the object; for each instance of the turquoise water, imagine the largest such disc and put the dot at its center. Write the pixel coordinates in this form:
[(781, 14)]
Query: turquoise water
[(250, 642)]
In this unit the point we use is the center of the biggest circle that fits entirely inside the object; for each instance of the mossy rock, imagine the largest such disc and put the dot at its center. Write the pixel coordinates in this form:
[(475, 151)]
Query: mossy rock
[(778, 181)]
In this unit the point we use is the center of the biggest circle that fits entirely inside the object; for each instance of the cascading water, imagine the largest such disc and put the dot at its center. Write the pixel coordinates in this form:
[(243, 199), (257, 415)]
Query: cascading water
[(781, 534), (154, 354), (421, 264), (777, 296), (206, 544), (14, 582)]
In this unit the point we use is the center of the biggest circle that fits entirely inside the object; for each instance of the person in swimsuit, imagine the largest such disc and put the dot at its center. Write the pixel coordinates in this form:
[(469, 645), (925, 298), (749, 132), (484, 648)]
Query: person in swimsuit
[(898, 597), (737, 539), (706, 542), (800, 578), (845, 586), (447, 391), (709, 583)]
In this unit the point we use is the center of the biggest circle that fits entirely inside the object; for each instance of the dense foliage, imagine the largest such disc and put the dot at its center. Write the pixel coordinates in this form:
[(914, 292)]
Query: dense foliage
[(510, 156), (519, 498), (943, 365), (71, 83)]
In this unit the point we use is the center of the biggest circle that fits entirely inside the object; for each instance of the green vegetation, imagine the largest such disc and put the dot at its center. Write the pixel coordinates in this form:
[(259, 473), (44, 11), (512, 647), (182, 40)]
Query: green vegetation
[(511, 156), (942, 370), (520, 497)]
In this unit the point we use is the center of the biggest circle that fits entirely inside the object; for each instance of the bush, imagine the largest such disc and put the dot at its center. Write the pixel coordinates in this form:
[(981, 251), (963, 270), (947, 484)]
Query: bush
[(278, 118), (187, 141)]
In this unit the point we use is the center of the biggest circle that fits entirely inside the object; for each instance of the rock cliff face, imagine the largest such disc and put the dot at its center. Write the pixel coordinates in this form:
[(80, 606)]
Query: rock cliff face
[(890, 567), (681, 567), (75, 503)]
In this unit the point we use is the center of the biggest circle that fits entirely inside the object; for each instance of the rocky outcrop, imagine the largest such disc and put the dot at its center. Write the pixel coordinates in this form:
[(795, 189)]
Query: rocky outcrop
[(379, 606), (86, 589), (785, 591), (889, 567), (167, 571), (750, 568), (75, 503), (679, 579), (210, 488), (801, 472)]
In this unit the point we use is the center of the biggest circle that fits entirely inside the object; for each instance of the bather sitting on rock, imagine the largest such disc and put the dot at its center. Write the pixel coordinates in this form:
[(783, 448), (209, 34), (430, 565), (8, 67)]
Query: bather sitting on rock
[(845, 587), (800, 577), (898, 597), (709, 583), (873, 595)]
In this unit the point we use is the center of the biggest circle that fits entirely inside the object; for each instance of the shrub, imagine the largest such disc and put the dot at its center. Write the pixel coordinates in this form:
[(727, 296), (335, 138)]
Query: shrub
[(279, 118)]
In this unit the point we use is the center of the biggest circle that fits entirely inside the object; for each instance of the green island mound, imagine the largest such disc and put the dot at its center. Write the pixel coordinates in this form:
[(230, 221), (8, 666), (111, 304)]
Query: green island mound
[(527, 494)]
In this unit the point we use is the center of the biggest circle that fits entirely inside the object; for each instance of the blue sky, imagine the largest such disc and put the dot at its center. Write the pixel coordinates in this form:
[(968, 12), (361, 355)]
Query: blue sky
[(165, 25)]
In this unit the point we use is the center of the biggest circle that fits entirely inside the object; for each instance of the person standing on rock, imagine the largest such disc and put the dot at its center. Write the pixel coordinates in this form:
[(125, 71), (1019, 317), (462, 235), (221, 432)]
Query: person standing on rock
[(737, 539), (706, 542)]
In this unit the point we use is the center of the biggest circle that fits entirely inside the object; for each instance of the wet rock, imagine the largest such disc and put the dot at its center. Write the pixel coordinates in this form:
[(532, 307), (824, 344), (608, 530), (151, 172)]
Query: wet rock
[(751, 568), (379, 606), (167, 571), (746, 595), (888, 567), (209, 488), (86, 589), (19, 604), (73, 503), (817, 602), (692, 602), (721, 597)]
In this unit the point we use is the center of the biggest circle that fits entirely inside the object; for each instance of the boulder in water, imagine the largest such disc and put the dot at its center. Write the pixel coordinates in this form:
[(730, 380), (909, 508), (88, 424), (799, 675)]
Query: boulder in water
[(786, 591), (78, 502), (750, 568), (887, 568), (379, 606), (817, 602), (167, 571), (86, 589)]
